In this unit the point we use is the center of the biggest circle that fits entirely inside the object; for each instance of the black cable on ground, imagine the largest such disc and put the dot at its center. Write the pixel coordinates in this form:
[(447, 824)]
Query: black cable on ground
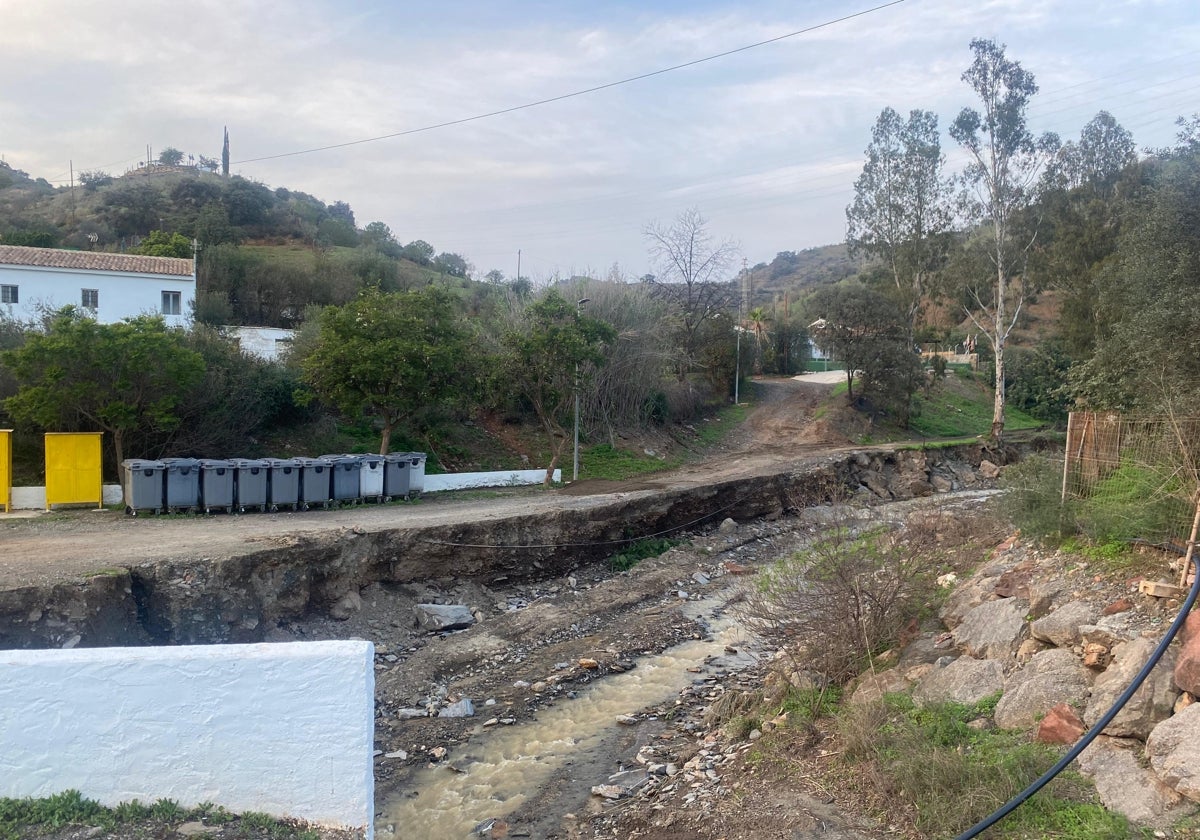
[(1091, 734)]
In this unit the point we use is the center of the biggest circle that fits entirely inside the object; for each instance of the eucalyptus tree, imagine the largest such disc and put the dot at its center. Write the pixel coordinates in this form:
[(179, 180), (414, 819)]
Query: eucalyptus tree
[(999, 182)]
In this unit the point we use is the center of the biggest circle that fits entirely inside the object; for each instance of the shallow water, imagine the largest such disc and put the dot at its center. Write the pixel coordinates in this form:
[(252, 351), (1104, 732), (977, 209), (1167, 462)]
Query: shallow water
[(504, 766)]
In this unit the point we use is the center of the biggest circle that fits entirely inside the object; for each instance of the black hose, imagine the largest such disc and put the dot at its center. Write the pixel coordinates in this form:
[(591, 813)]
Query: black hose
[(1091, 734)]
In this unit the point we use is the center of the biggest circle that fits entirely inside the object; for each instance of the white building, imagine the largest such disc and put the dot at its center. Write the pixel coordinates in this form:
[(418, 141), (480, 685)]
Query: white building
[(109, 287), (270, 343)]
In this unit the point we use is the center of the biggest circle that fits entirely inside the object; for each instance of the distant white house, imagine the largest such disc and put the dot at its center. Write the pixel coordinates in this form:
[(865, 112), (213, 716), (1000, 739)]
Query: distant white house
[(270, 343), (109, 287)]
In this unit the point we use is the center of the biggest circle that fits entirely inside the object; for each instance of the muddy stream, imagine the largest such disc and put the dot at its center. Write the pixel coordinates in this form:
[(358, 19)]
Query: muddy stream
[(504, 767)]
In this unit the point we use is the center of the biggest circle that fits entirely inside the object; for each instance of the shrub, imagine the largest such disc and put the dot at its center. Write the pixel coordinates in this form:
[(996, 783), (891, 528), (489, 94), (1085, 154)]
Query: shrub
[(1033, 501), (845, 598)]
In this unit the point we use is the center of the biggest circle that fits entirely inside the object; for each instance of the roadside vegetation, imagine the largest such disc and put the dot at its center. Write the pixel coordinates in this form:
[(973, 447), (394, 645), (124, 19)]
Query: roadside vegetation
[(62, 815)]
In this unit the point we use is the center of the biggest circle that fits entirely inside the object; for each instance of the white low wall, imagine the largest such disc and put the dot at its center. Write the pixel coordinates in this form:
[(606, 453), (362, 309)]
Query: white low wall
[(465, 481), (34, 498), (285, 729)]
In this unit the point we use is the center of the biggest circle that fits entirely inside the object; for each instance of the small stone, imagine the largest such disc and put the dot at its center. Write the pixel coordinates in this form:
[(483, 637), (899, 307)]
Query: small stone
[(491, 721), (521, 684), (411, 714), (700, 578), (735, 568), (589, 664), (681, 594), (463, 708), (1061, 725), (398, 754), (727, 526), (1118, 606), (438, 753), (627, 720), (196, 829), (538, 687)]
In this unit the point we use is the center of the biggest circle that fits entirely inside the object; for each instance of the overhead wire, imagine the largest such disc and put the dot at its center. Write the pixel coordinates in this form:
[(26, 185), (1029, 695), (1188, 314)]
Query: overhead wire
[(595, 88)]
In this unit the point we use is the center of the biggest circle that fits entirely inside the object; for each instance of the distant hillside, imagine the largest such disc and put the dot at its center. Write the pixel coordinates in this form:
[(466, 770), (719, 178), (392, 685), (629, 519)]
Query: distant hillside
[(265, 255), (794, 274)]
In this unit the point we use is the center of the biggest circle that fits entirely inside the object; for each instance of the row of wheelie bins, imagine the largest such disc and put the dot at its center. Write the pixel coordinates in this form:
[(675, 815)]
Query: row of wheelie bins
[(268, 484)]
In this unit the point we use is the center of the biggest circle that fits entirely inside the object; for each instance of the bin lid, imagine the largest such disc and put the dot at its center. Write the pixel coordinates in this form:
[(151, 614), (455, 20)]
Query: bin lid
[(215, 463), (281, 462), (312, 462), (396, 457), (340, 459), (420, 456), (247, 463), (370, 459), (142, 464), (181, 463)]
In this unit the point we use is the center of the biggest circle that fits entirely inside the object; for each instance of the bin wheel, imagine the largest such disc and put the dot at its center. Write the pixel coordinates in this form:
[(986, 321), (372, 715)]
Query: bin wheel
[(130, 511), (272, 508), (157, 511), (324, 505)]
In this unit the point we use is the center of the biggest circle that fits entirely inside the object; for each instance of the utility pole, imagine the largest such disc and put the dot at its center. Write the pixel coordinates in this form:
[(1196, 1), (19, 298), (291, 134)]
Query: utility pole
[(575, 471), (518, 266)]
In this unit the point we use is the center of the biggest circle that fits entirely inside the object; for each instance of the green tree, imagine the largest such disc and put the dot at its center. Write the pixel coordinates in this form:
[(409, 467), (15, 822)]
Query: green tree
[(388, 355), (170, 156), (901, 212), (1005, 161), (162, 244), (125, 379), (548, 357), (757, 323), (862, 328), (1147, 353)]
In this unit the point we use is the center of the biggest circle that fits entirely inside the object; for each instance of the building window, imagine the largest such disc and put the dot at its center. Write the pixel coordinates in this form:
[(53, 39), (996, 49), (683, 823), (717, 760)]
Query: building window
[(91, 299), (8, 294), (171, 303)]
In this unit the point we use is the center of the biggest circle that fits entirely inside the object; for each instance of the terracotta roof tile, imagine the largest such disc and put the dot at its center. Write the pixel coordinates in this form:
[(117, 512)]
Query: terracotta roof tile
[(94, 261)]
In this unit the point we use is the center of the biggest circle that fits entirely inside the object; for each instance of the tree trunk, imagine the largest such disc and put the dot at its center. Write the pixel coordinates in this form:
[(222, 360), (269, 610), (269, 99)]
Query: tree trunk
[(998, 342), (118, 447), (385, 438)]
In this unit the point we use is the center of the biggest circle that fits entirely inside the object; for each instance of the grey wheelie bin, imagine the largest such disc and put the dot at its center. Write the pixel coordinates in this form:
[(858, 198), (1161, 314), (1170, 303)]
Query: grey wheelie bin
[(315, 482), (249, 483), (345, 471), (142, 485), (216, 484), (397, 469), (183, 484), (370, 477), (416, 474), (283, 483)]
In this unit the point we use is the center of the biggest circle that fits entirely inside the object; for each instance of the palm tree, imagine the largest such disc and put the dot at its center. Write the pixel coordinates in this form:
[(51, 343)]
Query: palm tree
[(756, 322)]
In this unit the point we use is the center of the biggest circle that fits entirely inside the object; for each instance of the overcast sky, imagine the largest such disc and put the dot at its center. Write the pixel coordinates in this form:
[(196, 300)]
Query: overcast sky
[(766, 142)]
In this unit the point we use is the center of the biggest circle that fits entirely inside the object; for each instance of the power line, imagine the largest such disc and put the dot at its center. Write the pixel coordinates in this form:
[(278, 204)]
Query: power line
[(576, 93)]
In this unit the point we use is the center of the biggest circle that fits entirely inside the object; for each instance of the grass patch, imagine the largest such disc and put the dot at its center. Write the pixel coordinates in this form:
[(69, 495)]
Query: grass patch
[(639, 551), (607, 462), (945, 773), (22, 818), (713, 430), (963, 412)]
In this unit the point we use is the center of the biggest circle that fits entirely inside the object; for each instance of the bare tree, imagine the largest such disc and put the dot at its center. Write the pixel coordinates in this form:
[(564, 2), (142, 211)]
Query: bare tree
[(691, 278), (1005, 161)]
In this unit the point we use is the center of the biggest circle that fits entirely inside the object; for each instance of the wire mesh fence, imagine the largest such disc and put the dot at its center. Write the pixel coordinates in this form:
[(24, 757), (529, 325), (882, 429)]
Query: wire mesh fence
[(1133, 478)]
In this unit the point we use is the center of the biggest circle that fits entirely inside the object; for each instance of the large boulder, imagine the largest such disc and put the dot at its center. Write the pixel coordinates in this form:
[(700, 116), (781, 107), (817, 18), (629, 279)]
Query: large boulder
[(977, 589), (1061, 627), (1174, 751), (1150, 704), (965, 680), (1051, 677), (1187, 668), (992, 630), (1125, 786)]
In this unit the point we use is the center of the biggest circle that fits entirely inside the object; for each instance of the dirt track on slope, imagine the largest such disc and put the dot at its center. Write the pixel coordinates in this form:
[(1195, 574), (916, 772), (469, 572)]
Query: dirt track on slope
[(69, 545)]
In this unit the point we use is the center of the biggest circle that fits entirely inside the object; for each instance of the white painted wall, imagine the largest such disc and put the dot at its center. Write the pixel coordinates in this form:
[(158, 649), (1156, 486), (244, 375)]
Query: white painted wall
[(285, 729), (466, 481), (268, 343), (34, 498), (122, 295)]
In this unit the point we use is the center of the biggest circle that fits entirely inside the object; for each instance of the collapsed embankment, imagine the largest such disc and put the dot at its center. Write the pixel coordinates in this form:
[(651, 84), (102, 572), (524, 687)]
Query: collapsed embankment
[(240, 598)]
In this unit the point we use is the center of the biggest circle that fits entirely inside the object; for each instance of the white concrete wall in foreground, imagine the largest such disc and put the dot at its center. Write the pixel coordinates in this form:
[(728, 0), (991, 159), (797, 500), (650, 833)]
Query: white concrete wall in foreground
[(285, 729)]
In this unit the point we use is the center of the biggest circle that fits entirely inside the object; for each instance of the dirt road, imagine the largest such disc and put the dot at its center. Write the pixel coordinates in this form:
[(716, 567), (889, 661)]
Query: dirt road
[(64, 546)]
